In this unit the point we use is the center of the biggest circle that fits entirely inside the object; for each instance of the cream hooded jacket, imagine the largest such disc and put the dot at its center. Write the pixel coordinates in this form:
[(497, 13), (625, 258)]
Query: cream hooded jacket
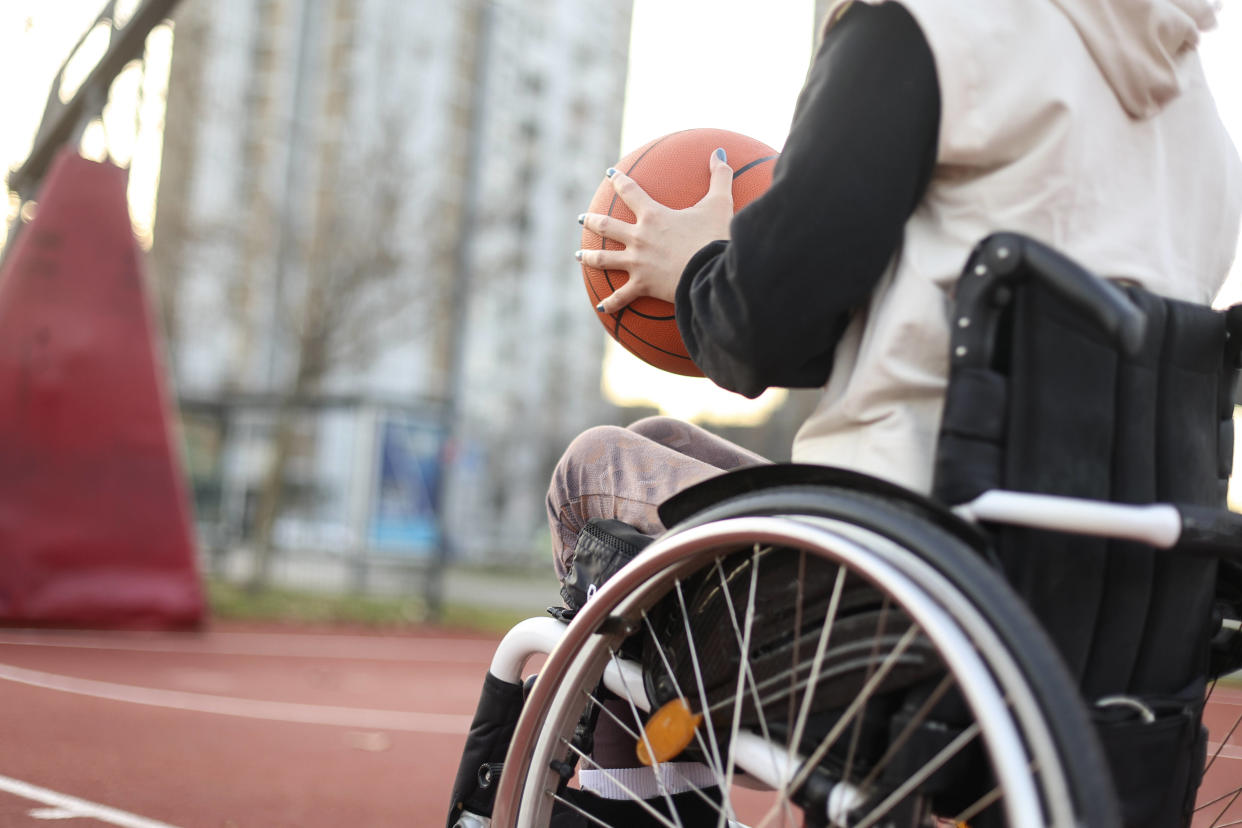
[(1086, 124)]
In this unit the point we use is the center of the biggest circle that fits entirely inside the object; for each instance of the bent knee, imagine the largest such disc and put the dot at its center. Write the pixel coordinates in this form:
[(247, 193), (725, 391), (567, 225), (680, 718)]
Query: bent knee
[(656, 424), (590, 460), (593, 446), (667, 431)]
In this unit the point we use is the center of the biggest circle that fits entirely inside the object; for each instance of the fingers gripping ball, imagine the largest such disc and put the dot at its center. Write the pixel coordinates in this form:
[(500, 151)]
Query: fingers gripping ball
[(673, 170)]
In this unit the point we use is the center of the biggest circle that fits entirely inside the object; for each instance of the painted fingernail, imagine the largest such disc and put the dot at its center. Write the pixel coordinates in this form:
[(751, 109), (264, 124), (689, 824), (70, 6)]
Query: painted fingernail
[(610, 172), (722, 155), (578, 255), (600, 307), (581, 218)]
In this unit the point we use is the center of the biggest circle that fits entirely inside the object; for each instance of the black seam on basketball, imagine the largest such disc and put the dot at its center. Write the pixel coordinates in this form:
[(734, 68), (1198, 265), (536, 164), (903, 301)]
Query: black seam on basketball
[(754, 163), (616, 335), (591, 287), (642, 315), (599, 298)]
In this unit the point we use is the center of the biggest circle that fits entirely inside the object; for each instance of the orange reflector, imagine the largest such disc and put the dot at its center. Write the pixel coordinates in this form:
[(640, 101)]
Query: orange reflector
[(668, 731)]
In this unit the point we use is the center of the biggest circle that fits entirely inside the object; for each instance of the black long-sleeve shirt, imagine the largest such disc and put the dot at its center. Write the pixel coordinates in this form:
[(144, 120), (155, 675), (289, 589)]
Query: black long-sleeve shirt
[(768, 307)]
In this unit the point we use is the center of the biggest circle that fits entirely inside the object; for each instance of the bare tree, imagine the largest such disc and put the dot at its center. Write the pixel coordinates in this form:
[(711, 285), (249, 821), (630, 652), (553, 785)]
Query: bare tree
[(320, 209), (356, 287)]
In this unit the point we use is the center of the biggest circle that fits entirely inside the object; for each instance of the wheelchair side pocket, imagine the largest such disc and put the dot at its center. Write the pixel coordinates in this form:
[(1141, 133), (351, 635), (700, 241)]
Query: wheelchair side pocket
[(474, 789), (1156, 751)]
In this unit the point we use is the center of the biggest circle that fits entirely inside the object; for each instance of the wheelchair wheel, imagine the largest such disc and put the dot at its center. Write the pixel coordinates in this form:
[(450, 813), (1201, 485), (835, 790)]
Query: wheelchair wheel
[(847, 665)]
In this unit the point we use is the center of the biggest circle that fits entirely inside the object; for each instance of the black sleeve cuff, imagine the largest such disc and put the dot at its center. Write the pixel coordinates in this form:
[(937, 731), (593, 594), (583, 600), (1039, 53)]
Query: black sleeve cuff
[(768, 307)]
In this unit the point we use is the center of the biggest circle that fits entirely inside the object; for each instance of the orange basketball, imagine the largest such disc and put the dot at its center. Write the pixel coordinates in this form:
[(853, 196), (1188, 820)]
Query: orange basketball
[(674, 171)]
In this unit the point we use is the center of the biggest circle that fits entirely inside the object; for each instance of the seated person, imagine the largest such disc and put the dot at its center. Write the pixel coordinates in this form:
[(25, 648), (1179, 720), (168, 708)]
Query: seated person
[(921, 129), (923, 126)]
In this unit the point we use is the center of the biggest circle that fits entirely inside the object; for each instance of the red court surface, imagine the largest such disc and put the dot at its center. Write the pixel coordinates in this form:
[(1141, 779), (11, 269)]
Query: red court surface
[(237, 728)]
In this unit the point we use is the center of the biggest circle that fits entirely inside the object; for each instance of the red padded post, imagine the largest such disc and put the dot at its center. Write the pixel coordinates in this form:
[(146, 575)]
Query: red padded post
[(95, 526)]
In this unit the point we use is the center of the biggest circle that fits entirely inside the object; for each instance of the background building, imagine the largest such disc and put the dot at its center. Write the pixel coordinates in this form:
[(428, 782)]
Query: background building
[(362, 255), (362, 259)]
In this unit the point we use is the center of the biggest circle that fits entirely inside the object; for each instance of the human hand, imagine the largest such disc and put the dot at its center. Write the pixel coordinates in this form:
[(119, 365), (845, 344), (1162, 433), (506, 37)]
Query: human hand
[(661, 241)]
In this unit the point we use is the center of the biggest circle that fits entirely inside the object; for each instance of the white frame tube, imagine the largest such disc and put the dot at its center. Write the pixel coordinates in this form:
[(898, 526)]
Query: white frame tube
[(1156, 524), (534, 636)]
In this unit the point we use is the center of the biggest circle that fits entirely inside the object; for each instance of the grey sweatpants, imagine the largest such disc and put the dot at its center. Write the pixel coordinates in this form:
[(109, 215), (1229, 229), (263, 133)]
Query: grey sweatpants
[(625, 473)]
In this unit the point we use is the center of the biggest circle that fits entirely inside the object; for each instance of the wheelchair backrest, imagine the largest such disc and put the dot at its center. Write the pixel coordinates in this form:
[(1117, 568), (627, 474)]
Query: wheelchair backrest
[(1055, 390)]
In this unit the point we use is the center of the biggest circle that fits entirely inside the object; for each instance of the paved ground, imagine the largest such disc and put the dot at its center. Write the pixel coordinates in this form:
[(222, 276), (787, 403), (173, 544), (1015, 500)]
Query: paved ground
[(246, 728), (234, 729)]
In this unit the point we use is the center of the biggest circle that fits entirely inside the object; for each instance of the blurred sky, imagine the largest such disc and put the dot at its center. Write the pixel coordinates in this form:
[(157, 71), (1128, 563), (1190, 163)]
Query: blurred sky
[(707, 63), (36, 36), (693, 63)]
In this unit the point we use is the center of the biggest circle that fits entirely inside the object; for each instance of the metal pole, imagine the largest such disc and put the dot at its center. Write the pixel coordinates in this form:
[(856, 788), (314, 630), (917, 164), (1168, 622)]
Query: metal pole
[(64, 123), (433, 592), (289, 202)]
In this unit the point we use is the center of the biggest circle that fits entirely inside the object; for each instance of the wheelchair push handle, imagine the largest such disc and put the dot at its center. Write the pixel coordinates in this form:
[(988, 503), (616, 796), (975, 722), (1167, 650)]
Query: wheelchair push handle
[(1016, 256)]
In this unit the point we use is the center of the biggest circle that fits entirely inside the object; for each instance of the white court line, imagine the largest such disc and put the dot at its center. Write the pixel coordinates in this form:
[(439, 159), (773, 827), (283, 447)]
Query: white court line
[(361, 648), (77, 807), (1220, 699), (359, 717), (1227, 752)]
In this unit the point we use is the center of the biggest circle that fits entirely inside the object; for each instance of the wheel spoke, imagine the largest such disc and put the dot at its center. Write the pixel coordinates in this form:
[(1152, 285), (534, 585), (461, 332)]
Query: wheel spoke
[(846, 717), (688, 786), (795, 656), (681, 694), (751, 685), (840, 667), (908, 787), (1224, 741), (906, 732), (743, 659), (817, 662), (1220, 798), (634, 797), (1234, 795), (659, 777), (974, 810), (633, 733), (574, 807), (698, 678), (858, 720), (743, 642), (1225, 810)]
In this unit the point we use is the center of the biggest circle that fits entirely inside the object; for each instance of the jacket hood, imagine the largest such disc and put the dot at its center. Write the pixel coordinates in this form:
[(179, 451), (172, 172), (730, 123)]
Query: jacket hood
[(1141, 46)]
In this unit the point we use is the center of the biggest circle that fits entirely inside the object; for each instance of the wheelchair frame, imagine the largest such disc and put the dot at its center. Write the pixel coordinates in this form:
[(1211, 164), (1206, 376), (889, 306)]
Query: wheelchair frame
[(1158, 525), (960, 633)]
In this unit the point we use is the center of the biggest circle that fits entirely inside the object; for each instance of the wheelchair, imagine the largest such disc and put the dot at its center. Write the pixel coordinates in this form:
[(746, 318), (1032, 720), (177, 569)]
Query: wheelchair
[(1029, 646)]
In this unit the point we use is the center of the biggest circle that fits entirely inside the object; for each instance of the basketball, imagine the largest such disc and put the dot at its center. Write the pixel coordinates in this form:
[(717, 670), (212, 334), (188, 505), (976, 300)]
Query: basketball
[(674, 171)]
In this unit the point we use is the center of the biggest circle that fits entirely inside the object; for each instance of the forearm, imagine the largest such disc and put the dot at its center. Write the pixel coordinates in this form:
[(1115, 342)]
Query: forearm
[(767, 308)]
